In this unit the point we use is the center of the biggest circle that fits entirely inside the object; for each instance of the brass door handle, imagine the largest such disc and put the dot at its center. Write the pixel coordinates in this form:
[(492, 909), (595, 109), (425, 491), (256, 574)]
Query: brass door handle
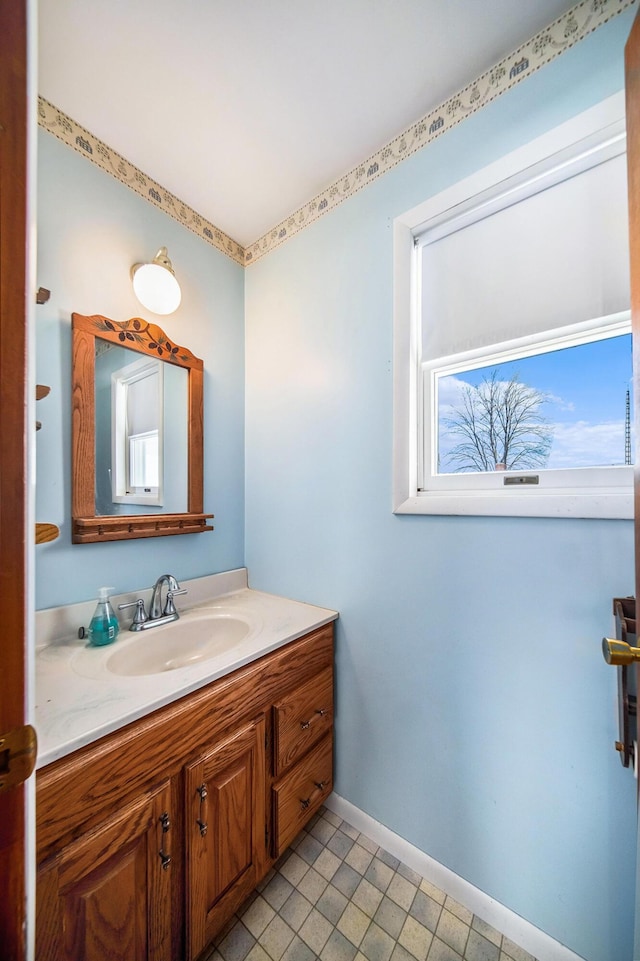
[(618, 652)]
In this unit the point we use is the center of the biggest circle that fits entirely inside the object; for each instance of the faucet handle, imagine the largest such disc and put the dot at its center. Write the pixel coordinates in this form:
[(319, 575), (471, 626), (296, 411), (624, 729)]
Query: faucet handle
[(169, 607), (140, 615)]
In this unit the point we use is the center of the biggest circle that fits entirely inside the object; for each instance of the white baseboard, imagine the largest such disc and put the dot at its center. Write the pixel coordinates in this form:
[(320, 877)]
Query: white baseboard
[(517, 929)]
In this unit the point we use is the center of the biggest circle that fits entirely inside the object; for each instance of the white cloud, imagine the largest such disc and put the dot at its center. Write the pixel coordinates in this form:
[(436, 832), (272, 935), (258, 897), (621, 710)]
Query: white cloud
[(582, 444), (560, 402), (450, 392)]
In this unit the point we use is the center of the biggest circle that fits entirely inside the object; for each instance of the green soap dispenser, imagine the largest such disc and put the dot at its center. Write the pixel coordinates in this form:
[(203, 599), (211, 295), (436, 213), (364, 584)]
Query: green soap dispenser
[(104, 627)]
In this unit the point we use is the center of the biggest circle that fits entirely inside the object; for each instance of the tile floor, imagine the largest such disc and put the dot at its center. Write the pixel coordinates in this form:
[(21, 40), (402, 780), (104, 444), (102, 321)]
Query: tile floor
[(337, 896)]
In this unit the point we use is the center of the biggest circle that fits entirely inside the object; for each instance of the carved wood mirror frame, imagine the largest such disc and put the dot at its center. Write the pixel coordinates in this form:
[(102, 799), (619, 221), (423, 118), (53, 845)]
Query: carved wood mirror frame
[(148, 339)]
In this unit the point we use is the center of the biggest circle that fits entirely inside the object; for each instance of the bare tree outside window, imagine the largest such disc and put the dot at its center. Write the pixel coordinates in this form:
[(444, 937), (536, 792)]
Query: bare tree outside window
[(499, 425)]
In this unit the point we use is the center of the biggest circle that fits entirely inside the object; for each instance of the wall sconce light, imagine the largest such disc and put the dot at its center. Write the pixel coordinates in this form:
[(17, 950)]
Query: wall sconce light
[(155, 284)]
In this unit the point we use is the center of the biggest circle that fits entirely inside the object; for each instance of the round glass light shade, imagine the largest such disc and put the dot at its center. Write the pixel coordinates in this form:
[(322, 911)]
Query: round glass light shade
[(156, 288)]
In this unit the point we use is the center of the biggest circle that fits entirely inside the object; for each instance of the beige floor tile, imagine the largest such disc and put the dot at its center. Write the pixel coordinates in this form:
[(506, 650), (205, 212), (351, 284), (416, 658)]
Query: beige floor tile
[(453, 931), (491, 934), (338, 948), (440, 951), (276, 938), (416, 939), (359, 858), (479, 949), (377, 945), (353, 924), (433, 892), (459, 910), (367, 897), (257, 916), (316, 906), (514, 952), (295, 910), (401, 891), (327, 864), (257, 953), (312, 885), (316, 931), (294, 869), (332, 818)]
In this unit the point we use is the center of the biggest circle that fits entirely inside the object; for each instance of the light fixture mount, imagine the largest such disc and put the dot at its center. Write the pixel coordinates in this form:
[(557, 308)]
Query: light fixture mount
[(155, 284)]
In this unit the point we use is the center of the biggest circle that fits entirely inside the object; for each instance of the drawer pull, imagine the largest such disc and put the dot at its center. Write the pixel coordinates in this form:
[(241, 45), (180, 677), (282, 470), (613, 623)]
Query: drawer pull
[(305, 802), (201, 821), (321, 711), (165, 826)]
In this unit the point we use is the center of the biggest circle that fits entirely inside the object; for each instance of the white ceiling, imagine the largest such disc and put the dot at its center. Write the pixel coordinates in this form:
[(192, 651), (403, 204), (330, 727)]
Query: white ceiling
[(246, 109)]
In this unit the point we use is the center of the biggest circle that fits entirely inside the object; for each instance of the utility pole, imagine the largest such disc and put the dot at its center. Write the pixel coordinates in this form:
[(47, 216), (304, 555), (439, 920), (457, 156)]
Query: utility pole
[(627, 432)]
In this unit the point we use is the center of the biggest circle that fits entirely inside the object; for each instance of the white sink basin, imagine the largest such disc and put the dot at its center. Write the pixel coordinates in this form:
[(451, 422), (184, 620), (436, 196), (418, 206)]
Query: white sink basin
[(197, 637)]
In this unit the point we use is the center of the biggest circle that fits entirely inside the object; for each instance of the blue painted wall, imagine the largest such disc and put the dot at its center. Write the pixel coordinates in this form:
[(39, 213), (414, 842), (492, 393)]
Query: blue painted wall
[(475, 715), (91, 229)]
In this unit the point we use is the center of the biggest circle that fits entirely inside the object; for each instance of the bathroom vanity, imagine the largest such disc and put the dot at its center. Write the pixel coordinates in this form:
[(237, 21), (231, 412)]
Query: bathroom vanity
[(151, 836)]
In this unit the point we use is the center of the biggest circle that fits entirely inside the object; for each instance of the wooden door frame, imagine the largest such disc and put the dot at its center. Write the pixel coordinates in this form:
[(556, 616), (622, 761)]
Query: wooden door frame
[(14, 506), (632, 96)]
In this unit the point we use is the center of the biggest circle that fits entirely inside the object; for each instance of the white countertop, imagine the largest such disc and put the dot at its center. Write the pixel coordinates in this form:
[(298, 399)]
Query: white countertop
[(78, 699)]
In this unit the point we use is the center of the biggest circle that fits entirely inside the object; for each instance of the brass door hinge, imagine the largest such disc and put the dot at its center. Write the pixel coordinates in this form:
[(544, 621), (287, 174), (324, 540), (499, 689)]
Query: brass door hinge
[(18, 751)]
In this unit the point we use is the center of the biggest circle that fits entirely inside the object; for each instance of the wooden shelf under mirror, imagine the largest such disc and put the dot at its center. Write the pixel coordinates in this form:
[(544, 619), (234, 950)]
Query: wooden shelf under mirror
[(99, 509)]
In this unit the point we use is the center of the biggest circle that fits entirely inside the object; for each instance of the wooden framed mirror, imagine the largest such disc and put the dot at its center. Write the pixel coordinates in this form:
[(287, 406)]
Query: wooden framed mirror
[(136, 432)]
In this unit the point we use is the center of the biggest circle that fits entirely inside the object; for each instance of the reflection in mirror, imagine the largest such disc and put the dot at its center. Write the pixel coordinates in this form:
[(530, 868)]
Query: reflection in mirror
[(137, 432), (141, 424)]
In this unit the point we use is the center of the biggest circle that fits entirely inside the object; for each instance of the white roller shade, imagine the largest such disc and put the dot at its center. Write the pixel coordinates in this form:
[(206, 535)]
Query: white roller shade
[(554, 258)]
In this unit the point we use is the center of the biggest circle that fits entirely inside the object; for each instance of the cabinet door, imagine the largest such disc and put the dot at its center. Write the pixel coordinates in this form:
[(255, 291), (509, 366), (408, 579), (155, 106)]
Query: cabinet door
[(108, 893), (225, 831)]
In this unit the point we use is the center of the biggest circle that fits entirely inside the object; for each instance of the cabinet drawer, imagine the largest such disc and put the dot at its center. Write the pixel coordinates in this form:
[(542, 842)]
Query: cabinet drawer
[(301, 792), (302, 718)]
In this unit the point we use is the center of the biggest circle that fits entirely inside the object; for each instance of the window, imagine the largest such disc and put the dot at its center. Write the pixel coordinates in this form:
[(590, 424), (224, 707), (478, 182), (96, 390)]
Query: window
[(513, 376), (144, 472), (137, 392)]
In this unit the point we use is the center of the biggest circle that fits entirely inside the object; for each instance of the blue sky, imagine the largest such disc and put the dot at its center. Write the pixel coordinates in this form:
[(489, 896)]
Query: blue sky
[(586, 387)]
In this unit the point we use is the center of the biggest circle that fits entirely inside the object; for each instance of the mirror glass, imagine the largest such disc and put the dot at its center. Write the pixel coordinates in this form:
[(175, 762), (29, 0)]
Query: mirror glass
[(137, 432), (141, 430)]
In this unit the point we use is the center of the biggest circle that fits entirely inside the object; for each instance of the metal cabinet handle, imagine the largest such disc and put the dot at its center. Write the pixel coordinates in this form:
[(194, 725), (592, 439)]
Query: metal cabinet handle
[(320, 712), (165, 827), (305, 802), (201, 820)]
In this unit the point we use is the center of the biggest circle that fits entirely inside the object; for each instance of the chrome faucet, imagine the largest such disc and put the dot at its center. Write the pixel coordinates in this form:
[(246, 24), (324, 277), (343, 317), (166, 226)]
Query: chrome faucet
[(156, 609), (158, 614)]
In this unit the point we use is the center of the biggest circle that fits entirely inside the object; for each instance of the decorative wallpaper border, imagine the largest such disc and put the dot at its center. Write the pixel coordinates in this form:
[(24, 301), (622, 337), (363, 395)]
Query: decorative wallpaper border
[(573, 26), (89, 146), (544, 47)]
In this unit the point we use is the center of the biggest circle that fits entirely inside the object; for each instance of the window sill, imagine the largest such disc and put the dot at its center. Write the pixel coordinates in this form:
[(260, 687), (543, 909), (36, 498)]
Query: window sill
[(610, 504)]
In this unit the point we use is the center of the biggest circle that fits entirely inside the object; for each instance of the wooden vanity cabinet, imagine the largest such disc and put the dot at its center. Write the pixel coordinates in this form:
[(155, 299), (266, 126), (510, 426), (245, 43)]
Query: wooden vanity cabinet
[(150, 839), (107, 894), (225, 831)]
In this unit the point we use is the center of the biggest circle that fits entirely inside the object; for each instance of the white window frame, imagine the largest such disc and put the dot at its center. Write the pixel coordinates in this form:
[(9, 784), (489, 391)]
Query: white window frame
[(121, 380), (609, 495)]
